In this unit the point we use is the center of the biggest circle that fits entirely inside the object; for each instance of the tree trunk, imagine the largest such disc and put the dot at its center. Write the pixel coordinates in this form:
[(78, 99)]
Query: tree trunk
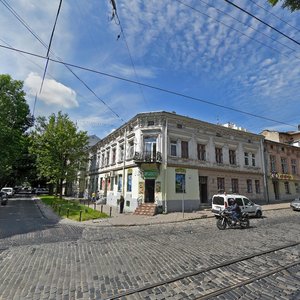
[(60, 188)]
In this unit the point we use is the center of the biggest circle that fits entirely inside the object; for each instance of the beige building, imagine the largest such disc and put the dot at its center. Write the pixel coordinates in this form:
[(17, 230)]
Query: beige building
[(175, 161), (282, 165)]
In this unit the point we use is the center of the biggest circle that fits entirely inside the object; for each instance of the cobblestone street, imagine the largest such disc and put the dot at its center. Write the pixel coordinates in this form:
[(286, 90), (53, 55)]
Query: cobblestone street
[(41, 258)]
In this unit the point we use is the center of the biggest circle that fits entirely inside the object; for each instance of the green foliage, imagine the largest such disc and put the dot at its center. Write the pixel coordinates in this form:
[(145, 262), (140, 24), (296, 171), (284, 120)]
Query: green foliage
[(71, 209), (290, 4), (15, 119), (59, 148)]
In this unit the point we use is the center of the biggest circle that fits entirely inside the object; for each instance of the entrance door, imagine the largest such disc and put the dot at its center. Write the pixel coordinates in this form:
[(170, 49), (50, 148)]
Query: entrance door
[(276, 189), (149, 190), (203, 189)]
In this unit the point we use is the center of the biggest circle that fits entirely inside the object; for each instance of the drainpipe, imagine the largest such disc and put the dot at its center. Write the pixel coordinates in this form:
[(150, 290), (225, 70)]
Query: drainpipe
[(264, 165), (165, 164)]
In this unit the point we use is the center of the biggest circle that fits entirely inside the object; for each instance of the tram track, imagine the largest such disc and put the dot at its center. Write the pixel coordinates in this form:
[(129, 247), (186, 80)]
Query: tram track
[(228, 275)]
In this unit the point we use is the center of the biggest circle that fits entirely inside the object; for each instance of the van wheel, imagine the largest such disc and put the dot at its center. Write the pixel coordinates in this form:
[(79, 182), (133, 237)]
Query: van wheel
[(258, 214)]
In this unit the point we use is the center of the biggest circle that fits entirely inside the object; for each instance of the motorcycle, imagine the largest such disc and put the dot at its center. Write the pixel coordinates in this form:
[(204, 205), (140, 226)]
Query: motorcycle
[(224, 219)]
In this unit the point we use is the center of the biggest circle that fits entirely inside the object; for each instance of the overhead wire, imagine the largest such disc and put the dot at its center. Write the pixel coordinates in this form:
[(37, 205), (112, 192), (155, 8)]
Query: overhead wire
[(232, 28), (150, 86), (115, 14), (249, 26), (263, 22), (275, 16), (50, 42), (23, 22)]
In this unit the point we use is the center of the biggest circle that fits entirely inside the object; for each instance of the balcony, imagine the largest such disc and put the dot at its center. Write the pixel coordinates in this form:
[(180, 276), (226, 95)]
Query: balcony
[(147, 157)]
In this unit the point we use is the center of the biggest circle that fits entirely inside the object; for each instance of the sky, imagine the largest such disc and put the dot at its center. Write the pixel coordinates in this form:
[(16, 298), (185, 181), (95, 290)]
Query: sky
[(205, 59)]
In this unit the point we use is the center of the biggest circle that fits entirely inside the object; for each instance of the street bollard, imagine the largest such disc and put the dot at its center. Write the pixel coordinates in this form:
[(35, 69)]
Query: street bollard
[(102, 208), (68, 212), (110, 211), (80, 216)]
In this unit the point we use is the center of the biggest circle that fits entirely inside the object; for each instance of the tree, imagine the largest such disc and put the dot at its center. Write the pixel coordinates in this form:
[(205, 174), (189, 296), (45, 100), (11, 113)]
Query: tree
[(290, 4), (60, 149), (15, 119)]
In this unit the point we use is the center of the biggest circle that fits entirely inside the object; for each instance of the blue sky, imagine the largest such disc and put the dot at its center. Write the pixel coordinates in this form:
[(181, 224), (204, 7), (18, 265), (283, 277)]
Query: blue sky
[(205, 52)]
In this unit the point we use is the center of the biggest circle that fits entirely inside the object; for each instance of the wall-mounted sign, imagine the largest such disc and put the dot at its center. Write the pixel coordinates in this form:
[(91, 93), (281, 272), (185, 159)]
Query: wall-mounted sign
[(180, 170), (150, 174), (281, 176)]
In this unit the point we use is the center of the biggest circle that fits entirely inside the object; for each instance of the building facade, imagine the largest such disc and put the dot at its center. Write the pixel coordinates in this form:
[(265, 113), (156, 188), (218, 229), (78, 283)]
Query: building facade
[(282, 170), (175, 161)]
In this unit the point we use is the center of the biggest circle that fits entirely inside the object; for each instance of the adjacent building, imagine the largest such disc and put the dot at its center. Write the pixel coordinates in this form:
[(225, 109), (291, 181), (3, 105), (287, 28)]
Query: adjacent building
[(176, 162), (282, 158)]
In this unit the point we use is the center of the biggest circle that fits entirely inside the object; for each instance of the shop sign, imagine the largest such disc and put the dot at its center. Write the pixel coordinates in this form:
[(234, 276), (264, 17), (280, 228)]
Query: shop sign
[(282, 176), (180, 170), (150, 174)]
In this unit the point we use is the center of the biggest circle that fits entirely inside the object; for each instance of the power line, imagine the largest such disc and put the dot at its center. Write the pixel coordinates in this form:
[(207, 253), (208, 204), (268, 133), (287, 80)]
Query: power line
[(150, 86), (115, 13), (50, 42), (236, 19), (274, 15), (23, 22), (263, 22), (232, 28)]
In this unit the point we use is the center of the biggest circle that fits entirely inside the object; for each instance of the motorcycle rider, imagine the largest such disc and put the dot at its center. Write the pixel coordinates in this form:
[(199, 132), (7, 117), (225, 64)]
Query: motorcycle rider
[(235, 210)]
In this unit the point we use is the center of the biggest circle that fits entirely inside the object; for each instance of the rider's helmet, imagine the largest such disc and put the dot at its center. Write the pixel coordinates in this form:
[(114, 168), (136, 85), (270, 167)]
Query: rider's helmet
[(231, 201)]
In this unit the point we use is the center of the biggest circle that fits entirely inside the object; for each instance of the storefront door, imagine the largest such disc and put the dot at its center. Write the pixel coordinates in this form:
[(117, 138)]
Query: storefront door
[(149, 190), (203, 189)]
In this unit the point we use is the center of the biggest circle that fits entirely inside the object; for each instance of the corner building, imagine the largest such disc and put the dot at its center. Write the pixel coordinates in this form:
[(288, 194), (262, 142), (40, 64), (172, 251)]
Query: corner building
[(176, 162)]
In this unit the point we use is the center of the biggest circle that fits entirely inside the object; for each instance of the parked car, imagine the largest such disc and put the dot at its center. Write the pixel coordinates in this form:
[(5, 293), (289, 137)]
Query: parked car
[(3, 198), (295, 205), (40, 191), (220, 202), (9, 191)]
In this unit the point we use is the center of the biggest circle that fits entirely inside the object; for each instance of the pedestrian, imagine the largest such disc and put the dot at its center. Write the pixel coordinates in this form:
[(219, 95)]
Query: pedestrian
[(94, 197), (122, 201)]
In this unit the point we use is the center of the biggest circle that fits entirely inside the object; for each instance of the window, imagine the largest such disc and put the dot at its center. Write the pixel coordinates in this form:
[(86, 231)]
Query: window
[(257, 186), (221, 184), (297, 189), (201, 152), (180, 183), (121, 153), (150, 123), (102, 160), (129, 182), (184, 149), (130, 149), (273, 163), (253, 160), (150, 148), (235, 185), (107, 158), (113, 156), (101, 183), (173, 148), (287, 187), (284, 167), (120, 183), (294, 166), (249, 186), (219, 155), (232, 157), (246, 155), (111, 182)]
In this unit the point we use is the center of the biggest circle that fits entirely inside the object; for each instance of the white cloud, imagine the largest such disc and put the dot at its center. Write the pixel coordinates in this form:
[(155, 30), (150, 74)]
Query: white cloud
[(53, 92)]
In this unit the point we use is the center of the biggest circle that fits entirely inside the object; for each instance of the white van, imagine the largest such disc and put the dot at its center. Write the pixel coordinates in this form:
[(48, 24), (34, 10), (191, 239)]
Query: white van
[(9, 191), (220, 202)]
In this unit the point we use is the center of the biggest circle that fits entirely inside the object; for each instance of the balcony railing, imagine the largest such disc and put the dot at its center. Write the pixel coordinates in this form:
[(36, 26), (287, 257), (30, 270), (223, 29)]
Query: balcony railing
[(147, 157)]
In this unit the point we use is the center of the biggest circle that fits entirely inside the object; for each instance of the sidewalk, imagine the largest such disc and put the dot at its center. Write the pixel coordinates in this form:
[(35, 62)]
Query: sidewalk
[(129, 219)]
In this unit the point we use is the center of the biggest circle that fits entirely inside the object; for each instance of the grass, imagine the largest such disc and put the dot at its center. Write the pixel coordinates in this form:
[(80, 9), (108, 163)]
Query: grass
[(71, 209)]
